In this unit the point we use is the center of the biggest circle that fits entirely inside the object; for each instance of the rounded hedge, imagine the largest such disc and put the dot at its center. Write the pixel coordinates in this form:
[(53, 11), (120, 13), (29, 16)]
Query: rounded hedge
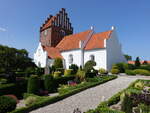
[(115, 71), (7, 104), (142, 72), (102, 71), (48, 83), (130, 72), (74, 68), (33, 84), (57, 74)]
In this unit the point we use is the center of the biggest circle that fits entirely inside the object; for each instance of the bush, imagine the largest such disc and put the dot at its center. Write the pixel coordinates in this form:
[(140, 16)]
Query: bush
[(7, 104), (102, 71), (3, 81), (58, 63), (74, 68), (130, 72), (89, 66), (114, 71), (139, 85), (126, 104), (33, 84), (68, 72), (80, 75), (14, 97), (60, 70), (48, 82), (141, 72), (30, 100), (57, 74), (145, 67)]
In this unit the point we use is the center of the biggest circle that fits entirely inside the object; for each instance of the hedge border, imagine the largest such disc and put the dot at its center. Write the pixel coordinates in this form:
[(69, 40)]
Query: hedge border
[(54, 99), (115, 98)]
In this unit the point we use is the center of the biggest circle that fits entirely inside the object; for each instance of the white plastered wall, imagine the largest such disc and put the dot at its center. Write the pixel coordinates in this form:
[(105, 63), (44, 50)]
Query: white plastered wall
[(114, 51)]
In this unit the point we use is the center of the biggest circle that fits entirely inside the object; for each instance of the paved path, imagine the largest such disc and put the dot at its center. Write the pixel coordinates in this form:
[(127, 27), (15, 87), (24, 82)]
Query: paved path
[(89, 98)]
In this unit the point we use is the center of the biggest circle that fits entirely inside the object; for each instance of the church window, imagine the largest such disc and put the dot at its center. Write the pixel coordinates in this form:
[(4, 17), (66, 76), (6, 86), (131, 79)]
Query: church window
[(70, 59), (92, 57)]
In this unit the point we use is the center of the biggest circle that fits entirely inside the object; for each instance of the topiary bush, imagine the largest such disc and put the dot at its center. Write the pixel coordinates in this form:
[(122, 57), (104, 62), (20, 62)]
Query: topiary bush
[(115, 71), (89, 66), (74, 68), (7, 104), (102, 71), (68, 72), (130, 72), (48, 82), (142, 72), (80, 75), (33, 84), (58, 63), (57, 74)]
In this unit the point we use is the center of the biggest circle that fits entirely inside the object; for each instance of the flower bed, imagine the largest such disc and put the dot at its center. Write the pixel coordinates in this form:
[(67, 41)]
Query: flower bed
[(65, 94), (134, 89)]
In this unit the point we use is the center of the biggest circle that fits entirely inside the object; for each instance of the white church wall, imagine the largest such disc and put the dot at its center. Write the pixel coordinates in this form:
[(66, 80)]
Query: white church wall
[(114, 51), (76, 57), (40, 57), (99, 57)]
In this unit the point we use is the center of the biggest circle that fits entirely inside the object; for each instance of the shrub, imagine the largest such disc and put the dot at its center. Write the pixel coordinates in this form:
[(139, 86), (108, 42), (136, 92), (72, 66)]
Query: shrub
[(7, 104), (3, 81), (14, 97), (141, 72), (89, 66), (57, 74), (58, 63), (30, 100), (139, 85), (137, 62), (68, 72), (33, 84), (48, 83), (102, 71), (126, 104), (114, 71), (80, 75), (130, 72), (74, 68), (60, 70)]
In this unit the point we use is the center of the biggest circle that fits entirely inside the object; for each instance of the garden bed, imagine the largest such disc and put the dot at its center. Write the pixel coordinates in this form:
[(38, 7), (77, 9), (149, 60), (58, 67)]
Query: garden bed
[(64, 94)]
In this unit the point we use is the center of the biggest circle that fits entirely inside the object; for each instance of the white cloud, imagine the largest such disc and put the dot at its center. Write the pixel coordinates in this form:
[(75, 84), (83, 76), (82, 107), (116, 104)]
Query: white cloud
[(2, 29)]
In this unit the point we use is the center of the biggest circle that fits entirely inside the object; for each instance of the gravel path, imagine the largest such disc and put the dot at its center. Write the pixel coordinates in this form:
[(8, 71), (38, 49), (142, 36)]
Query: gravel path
[(89, 98)]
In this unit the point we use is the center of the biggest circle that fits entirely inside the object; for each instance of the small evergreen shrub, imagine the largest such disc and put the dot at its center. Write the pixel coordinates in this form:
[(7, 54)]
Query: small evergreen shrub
[(115, 71), (57, 74), (137, 62), (139, 85), (130, 72), (33, 84), (74, 68), (60, 70), (3, 81), (102, 71), (141, 72), (89, 66), (48, 83), (126, 104), (7, 104), (68, 72), (30, 100), (58, 63), (80, 75)]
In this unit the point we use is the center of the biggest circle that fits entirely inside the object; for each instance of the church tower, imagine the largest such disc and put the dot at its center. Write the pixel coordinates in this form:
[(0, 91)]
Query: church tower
[(55, 28)]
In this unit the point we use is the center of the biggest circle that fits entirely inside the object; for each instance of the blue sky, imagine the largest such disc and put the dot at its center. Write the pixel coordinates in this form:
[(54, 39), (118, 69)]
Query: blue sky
[(20, 21)]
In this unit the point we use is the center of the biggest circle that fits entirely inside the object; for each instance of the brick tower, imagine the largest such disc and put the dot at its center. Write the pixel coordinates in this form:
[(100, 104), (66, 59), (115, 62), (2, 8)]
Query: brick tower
[(55, 28)]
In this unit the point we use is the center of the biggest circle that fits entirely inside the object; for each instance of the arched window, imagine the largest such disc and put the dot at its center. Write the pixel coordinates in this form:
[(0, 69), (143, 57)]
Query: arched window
[(70, 59), (92, 57)]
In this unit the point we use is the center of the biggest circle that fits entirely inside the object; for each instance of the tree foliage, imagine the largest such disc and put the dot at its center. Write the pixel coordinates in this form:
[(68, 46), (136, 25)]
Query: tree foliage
[(58, 63), (128, 57), (137, 62), (12, 59)]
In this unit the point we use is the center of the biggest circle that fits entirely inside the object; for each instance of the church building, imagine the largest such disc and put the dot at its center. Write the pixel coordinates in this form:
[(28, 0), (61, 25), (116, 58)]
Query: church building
[(58, 41)]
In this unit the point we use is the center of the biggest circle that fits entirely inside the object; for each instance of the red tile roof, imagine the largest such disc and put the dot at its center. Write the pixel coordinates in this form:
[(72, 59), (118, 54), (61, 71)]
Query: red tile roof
[(72, 41), (53, 52), (133, 62)]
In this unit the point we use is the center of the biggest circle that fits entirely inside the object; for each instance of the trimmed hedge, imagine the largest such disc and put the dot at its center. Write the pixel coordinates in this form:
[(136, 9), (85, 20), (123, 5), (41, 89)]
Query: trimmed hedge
[(51, 100), (33, 84), (16, 89), (7, 104), (68, 72), (115, 71), (48, 83), (130, 72), (142, 72)]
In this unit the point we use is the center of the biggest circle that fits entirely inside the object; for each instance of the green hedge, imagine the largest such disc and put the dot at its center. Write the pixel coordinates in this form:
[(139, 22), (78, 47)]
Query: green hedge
[(14, 88), (51, 100)]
